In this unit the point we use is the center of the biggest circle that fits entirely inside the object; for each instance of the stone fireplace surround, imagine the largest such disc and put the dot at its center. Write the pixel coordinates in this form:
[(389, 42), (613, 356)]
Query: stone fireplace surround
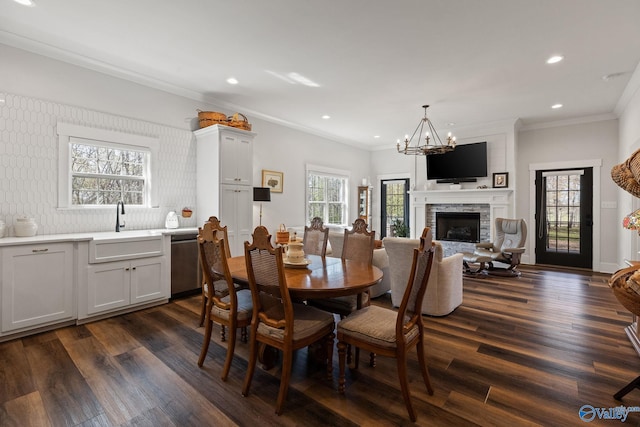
[(491, 203)]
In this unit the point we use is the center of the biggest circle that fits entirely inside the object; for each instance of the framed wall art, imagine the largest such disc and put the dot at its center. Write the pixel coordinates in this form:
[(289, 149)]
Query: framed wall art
[(273, 180), (501, 180)]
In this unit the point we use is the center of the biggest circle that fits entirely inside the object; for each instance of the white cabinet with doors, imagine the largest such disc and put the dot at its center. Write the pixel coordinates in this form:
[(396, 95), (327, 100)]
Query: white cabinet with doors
[(234, 200), (224, 180), (38, 285), (115, 285), (123, 273)]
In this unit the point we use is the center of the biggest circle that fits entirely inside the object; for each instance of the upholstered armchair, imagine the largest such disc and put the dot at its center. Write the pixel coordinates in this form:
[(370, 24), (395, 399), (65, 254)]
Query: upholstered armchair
[(508, 247), (444, 292)]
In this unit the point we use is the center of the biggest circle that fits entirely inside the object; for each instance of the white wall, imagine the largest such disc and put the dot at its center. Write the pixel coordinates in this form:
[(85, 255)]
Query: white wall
[(629, 130), (577, 144), (58, 90)]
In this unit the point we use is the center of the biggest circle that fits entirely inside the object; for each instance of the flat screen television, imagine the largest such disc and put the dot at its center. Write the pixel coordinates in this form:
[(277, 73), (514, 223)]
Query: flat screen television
[(464, 164)]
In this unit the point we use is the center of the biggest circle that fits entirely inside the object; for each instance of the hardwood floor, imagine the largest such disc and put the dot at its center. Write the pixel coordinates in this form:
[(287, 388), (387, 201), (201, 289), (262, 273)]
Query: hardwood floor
[(526, 351)]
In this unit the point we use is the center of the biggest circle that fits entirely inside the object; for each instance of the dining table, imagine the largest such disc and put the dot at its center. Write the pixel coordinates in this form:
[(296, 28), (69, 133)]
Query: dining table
[(322, 277), (319, 277)]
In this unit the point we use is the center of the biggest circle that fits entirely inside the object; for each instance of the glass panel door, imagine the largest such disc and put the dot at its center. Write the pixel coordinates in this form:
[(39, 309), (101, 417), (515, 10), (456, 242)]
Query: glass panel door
[(394, 219), (564, 217)]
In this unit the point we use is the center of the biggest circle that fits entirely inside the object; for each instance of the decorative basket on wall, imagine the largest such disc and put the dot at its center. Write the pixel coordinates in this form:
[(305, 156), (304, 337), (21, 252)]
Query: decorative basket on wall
[(239, 120), (209, 118)]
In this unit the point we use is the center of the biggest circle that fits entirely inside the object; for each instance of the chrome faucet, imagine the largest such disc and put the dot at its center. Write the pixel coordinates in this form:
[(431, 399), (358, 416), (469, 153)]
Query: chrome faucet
[(119, 211)]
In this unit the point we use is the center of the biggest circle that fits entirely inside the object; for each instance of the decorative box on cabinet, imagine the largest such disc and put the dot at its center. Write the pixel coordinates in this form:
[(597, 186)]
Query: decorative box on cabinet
[(38, 286), (224, 180)]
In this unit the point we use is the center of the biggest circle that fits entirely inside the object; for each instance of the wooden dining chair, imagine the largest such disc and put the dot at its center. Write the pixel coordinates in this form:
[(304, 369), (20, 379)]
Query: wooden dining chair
[(226, 306), (315, 238), (220, 233), (389, 333), (358, 245), (277, 321)]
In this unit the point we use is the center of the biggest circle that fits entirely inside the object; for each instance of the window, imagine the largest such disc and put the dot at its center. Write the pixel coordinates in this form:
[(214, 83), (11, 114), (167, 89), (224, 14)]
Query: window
[(327, 195), (98, 167), (105, 175)]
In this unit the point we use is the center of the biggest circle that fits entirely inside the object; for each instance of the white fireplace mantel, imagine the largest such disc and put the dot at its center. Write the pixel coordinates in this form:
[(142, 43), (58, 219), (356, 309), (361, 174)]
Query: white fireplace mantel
[(500, 201)]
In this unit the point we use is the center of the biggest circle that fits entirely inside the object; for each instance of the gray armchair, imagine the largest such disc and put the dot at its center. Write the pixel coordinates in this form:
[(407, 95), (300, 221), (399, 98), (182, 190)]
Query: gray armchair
[(508, 247)]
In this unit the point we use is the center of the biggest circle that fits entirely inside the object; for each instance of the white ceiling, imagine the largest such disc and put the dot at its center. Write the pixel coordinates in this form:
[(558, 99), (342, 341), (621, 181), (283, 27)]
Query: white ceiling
[(375, 62)]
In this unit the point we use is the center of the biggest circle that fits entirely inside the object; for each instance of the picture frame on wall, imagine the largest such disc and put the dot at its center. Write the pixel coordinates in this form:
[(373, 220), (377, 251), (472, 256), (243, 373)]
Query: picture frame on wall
[(501, 180), (272, 179)]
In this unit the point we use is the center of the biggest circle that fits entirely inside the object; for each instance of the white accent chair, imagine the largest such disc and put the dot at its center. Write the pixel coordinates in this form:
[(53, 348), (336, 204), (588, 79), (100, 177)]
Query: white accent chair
[(444, 292)]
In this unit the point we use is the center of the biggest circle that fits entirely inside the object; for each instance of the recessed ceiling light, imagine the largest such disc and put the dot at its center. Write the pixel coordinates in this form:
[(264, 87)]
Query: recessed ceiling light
[(326, 117), (556, 106), (29, 3), (376, 136), (232, 81), (555, 59)]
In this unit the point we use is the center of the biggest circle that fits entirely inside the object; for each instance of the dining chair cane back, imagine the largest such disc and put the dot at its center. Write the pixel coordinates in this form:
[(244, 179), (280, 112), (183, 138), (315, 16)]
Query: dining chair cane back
[(389, 333), (276, 320), (358, 246), (315, 238), (220, 233), (225, 305)]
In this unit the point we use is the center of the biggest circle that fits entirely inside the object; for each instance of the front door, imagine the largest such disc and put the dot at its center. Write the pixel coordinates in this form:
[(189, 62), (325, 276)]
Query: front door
[(564, 217)]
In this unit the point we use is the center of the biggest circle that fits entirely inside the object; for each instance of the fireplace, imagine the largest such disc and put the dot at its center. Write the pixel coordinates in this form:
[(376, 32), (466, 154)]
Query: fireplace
[(458, 226)]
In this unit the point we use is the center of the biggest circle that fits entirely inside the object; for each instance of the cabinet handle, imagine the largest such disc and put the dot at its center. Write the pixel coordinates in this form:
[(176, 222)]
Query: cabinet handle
[(39, 250), (127, 269)]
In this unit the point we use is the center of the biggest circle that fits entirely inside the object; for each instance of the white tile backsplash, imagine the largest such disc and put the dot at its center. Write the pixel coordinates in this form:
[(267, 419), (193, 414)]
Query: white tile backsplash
[(28, 168)]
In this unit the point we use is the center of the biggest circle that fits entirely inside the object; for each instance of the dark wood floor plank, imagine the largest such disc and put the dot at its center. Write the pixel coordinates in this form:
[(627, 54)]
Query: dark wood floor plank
[(67, 397), (182, 404), (16, 378), (121, 399), (24, 411)]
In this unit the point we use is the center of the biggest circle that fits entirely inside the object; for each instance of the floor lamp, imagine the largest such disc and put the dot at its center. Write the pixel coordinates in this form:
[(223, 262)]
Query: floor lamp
[(261, 194)]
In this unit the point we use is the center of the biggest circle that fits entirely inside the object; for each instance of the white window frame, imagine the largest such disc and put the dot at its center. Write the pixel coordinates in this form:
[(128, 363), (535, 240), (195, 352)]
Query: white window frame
[(331, 172), (69, 133)]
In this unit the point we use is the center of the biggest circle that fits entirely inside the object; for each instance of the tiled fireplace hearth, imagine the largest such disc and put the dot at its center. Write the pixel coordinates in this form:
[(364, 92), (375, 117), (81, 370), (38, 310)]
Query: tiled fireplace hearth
[(489, 203)]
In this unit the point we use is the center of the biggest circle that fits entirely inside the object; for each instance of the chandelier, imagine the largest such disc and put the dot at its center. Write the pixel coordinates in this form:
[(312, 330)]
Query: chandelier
[(433, 144)]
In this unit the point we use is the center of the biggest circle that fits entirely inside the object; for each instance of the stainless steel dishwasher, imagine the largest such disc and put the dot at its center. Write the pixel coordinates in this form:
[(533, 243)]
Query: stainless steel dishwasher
[(185, 277)]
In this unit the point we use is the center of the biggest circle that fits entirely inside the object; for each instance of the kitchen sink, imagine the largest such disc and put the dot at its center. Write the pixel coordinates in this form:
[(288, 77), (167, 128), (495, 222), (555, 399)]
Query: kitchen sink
[(112, 246)]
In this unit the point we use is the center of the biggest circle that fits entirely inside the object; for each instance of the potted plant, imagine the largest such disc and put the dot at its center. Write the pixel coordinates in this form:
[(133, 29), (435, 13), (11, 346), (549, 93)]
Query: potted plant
[(398, 228)]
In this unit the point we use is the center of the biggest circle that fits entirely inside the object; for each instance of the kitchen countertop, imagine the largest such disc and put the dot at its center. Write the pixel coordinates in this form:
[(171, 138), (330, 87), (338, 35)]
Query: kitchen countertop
[(98, 235)]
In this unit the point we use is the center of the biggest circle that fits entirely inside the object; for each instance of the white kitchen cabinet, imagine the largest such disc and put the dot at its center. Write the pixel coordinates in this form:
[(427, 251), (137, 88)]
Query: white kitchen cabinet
[(234, 200), (236, 154), (120, 284), (38, 285), (224, 180)]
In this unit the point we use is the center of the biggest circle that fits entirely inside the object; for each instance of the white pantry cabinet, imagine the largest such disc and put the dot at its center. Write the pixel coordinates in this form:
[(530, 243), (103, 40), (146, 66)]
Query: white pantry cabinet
[(224, 181), (38, 285)]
